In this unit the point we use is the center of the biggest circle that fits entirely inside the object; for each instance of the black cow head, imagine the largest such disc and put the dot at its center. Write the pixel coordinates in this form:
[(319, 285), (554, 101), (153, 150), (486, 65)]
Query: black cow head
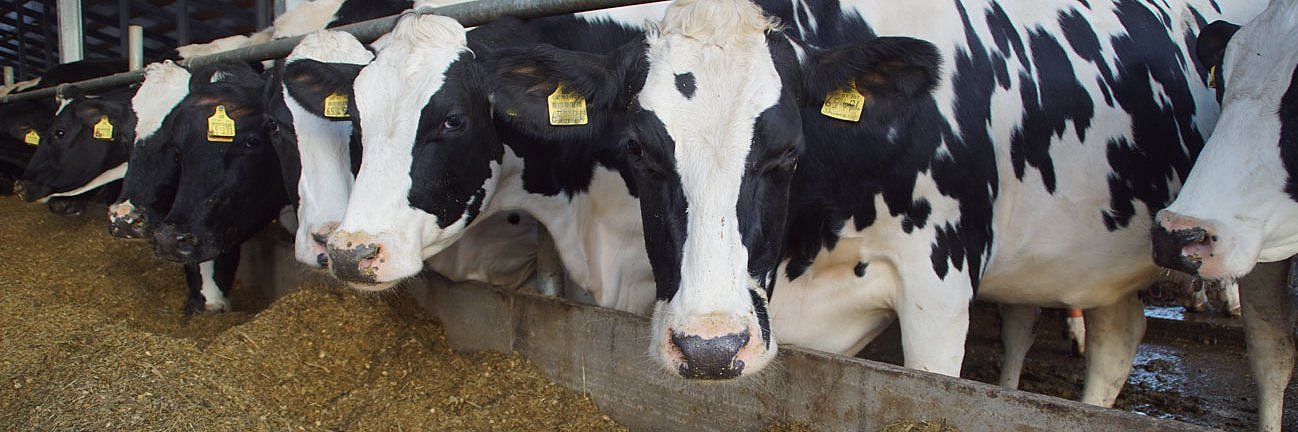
[(89, 136), (229, 184), (150, 184), (714, 103)]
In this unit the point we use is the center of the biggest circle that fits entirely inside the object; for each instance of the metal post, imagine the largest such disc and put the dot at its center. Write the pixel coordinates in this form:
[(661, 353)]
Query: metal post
[(135, 54), (18, 32), (182, 22), (124, 21), (71, 38), (263, 13), (280, 7), (9, 75)]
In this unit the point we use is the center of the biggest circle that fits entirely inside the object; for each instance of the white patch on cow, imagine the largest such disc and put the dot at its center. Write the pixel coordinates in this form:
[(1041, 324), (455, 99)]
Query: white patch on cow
[(723, 43), (213, 298), (323, 146), (223, 44), (1236, 188), (417, 53), (165, 85), (305, 18), (109, 176), (634, 16)]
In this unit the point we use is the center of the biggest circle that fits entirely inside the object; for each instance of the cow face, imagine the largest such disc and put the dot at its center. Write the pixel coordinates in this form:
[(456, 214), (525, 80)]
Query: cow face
[(317, 92), (88, 136), (1239, 205), (149, 188), (434, 131), (714, 134), (229, 184)]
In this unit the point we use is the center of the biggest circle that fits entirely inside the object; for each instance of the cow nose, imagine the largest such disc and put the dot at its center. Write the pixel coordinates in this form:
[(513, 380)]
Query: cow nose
[(19, 188), (355, 258), (184, 243), (125, 221), (1181, 249), (710, 359), (171, 244)]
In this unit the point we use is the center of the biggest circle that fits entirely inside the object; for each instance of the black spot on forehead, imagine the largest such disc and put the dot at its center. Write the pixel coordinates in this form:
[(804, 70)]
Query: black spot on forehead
[(685, 83)]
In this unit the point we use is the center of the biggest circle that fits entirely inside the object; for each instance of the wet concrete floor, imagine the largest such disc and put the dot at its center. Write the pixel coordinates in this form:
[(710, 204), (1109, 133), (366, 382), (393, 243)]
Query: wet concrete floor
[(1190, 368)]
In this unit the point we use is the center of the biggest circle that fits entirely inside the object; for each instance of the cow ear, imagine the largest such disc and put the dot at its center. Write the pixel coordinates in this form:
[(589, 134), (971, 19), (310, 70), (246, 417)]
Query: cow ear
[(1212, 41), (90, 111), (886, 71), (310, 83), (525, 90)]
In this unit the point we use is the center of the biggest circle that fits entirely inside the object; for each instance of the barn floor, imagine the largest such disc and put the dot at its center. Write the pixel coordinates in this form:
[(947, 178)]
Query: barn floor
[(93, 339), (1192, 370)]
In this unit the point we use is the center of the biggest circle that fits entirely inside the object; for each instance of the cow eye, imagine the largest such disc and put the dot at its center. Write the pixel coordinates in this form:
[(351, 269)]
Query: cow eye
[(58, 133), (252, 142), (453, 122)]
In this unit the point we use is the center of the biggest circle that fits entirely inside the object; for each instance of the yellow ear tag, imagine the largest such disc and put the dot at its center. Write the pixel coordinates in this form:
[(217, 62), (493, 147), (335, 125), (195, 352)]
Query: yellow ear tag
[(32, 138), (567, 108), (220, 128), (335, 105), (1212, 77), (844, 104), (103, 130)]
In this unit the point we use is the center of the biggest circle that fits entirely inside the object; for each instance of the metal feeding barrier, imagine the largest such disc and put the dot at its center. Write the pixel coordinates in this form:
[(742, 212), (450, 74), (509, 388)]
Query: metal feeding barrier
[(468, 14)]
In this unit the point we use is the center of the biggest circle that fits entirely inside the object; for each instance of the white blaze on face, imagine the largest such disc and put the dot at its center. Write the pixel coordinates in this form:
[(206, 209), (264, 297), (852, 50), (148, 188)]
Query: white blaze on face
[(1237, 184), (323, 146), (390, 94), (165, 85)]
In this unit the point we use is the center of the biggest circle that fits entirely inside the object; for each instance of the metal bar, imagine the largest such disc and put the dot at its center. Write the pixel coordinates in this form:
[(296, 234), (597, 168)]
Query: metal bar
[(263, 13), (182, 22), (469, 14), (70, 33), (19, 29), (135, 47), (47, 33), (9, 75), (124, 21)]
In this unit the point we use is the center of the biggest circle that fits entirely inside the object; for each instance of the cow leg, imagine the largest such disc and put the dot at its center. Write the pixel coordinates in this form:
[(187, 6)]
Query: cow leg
[(1230, 296), (550, 274), (1268, 327), (1113, 333), (209, 281), (934, 318), (1016, 337)]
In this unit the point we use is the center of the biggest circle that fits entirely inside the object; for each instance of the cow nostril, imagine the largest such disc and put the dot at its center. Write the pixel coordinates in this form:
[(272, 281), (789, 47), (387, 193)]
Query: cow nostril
[(322, 259), (184, 243), (714, 358)]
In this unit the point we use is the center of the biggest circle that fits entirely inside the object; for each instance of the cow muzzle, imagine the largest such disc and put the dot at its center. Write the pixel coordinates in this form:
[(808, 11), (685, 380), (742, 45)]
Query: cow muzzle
[(174, 245), (30, 191), (358, 258), (1183, 243), (125, 221), (715, 347)]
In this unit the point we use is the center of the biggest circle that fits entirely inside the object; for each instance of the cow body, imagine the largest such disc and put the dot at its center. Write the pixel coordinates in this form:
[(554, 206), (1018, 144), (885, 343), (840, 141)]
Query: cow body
[(418, 190), (1235, 216)]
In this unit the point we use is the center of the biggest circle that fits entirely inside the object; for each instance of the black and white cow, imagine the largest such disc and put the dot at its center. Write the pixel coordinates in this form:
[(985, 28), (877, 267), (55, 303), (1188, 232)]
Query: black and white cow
[(84, 147), (1238, 208), (436, 164), (318, 76), (1017, 170)]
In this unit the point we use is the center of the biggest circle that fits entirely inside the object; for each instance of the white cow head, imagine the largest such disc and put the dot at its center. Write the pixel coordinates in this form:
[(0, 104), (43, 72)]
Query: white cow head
[(1239, 205)]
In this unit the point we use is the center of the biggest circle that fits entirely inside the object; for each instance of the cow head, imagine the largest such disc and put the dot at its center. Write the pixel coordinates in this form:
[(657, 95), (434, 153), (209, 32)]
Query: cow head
[(1239, 205), (150, 186), (89, 136), (433, 130), (229, 183), (317, 90), (714, 131)]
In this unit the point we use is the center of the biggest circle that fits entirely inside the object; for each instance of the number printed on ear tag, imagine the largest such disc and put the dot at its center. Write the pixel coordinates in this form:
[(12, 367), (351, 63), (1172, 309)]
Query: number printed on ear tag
[(32, 138), (103, 130), (220, 127), (335, 105), (844, 104), (567, 108)]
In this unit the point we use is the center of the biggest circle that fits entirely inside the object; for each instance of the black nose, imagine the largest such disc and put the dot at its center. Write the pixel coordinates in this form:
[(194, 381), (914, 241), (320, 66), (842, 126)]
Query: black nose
[(171, 244), (184, 243), (347, 264), (711, 359), (1168, 246), (29, 191), (129, 226), (322, 259), (20, 187), (66, 206)]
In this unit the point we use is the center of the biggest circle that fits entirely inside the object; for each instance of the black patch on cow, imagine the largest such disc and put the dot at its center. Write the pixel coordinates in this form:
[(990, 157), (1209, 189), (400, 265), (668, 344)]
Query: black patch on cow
[(833, 27), (451, 164), (354, 11), (763, 318), (1143, 168), (859, 270), (309, 82), (768, 171), (1050, 102), (283, 136), (663, 207), (1289, 135), (69, 156), (1210, 48), (685, 84)]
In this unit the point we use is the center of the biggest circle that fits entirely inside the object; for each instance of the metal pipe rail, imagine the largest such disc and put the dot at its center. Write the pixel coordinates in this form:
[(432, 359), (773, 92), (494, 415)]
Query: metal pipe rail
[(469, 14)]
